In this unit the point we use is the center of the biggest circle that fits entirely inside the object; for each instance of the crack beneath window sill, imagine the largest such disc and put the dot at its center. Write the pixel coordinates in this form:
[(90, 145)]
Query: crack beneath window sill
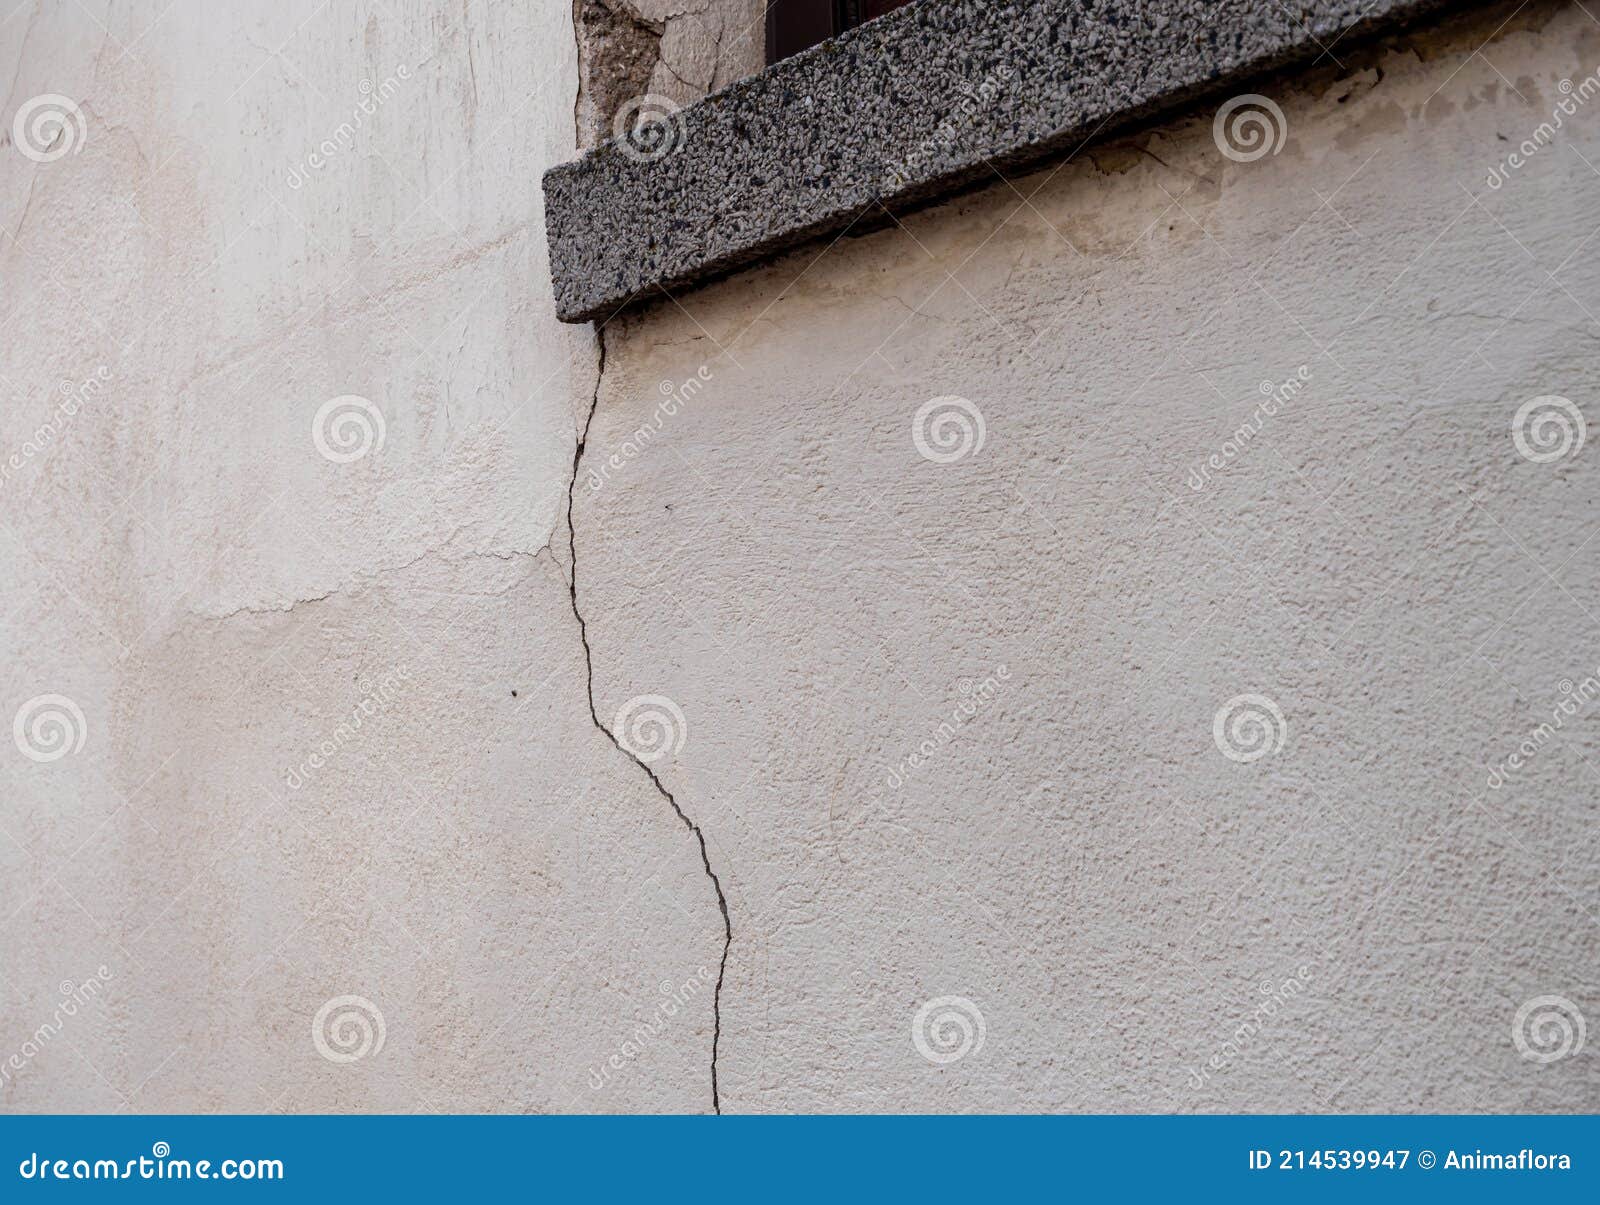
[(594, 715)]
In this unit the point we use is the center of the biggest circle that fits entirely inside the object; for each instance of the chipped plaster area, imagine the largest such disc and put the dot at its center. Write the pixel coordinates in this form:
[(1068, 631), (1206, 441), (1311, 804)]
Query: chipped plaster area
[(1077, 857), (338, 733), (680, 50)]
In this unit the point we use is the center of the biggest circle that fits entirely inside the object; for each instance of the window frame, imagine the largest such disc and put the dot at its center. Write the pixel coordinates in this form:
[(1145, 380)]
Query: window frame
[(796, 25)]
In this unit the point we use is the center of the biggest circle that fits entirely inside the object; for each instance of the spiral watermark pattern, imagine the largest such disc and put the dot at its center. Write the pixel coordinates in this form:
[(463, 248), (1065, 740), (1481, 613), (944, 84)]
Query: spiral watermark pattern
[(48, 727), (651, 727), (49, 127), (948, 429), (1249, 127), (161, 1149), (1248, 727), (1548, 428), (648, 127), (347, 428), (347, 1029), (1547, 1029), (947, 1029)]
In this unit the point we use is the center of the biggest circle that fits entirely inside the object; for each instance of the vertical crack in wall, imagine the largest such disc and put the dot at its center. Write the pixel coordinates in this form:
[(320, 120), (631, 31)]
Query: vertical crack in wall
[(588, 661)]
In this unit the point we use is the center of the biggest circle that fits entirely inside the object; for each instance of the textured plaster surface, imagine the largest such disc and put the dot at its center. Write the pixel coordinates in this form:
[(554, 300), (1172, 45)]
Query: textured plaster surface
[(1075, 856), (477, 860), (917, 104)]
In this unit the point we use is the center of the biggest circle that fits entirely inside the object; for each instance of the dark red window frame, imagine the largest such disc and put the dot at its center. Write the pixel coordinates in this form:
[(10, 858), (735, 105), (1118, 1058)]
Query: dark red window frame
[(794, 25)]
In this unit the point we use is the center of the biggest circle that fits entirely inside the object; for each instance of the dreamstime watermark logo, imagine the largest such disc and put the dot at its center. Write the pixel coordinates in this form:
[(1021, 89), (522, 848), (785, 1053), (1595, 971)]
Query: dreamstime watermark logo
[(675, 998), (75, 997), (1249, 127), (1545, 132), (1548, 428), (1248, 727), (948, 429), (49, 727), (373, 97), (48, 127), (375, 701), (74, 399), (347, 1029), (650, 727), (969, 102), (1274, 398), (348, 427), (157, 1165), (1547, 1029), (858, 830), (648, 127), (674, 397), (1573, 699), (977, 695), (1276, 997), (947, 1029)]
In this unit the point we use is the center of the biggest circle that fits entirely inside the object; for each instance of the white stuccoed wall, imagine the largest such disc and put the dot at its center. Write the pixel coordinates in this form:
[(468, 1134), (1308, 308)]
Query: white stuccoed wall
[(1079, 861), (504, 887)]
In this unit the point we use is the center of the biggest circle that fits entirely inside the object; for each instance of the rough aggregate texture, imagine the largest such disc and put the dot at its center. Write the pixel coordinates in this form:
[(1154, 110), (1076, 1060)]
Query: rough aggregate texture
[(819, 142)]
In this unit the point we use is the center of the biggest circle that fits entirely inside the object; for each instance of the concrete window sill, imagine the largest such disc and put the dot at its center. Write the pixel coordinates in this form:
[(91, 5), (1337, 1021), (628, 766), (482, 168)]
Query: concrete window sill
[(905, 110)]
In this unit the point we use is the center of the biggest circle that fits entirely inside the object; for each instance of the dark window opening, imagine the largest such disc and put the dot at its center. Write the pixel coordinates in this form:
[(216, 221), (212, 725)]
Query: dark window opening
[(794, 25)]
